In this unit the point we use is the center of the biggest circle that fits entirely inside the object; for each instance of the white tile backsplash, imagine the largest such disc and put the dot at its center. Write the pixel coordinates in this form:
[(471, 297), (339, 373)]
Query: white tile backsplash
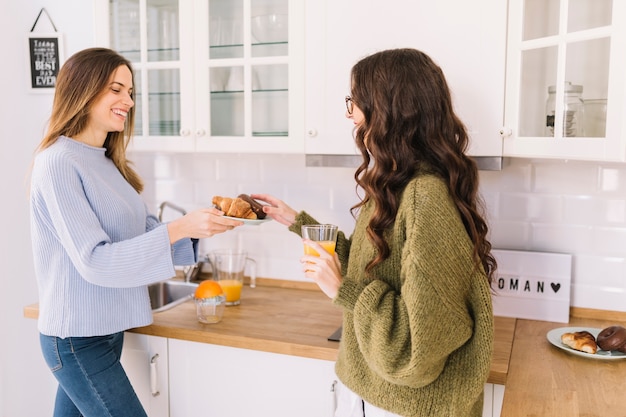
[(570, 207)]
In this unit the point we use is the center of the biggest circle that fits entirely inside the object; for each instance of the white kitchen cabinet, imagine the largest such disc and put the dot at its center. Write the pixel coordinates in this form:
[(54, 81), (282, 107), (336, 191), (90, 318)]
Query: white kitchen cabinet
[(180, 378), (560, 44), (211, 380), (492, 404), (211, 75), (145, 360), (467, 39)]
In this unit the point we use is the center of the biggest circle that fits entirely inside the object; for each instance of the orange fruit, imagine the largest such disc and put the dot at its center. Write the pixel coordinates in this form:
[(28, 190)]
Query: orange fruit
[(208, 289)]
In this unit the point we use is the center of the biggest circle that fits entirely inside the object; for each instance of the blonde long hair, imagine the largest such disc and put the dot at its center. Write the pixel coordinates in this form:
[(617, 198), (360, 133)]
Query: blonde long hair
[(80, 82)]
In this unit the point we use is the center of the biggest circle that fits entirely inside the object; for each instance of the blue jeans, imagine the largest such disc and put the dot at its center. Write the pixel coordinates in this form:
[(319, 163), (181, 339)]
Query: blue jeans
[(92, 382)]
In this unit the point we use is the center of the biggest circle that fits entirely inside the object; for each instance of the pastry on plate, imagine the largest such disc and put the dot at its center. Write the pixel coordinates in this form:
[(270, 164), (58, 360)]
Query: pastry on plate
[(612, 338), (234, 207), (582, 341)]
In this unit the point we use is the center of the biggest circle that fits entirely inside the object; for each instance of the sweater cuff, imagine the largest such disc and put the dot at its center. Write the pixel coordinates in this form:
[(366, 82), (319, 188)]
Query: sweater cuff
[(302, 218), (348, 294)]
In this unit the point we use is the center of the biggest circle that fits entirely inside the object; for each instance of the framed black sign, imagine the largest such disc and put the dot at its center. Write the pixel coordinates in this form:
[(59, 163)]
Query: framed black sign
[(45, 52)]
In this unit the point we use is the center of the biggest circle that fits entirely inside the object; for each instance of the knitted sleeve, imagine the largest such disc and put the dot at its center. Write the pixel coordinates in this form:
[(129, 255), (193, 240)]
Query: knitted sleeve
[(184, 251), (63, 214), (412, 313)]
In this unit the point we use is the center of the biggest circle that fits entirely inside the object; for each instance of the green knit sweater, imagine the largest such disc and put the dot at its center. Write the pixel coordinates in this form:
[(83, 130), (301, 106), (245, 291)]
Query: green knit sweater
[(418, 331)]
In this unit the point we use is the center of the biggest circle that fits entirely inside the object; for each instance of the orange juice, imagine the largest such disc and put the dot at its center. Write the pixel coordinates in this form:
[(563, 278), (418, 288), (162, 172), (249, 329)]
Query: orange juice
[(232, 290), (328, 245)]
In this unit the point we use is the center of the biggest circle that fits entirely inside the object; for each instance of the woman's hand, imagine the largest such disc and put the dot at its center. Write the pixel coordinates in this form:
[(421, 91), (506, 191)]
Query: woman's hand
[(277, 209), (325, 269), (199, 224)]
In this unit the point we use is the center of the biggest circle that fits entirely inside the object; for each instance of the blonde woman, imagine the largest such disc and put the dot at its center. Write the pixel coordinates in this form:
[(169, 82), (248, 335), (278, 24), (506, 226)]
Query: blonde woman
[(96, 247)]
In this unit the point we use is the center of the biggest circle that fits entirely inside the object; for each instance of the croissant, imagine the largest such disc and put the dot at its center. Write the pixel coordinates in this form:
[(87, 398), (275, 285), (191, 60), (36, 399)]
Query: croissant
[(583, 341), (234, 207), (222, 203)]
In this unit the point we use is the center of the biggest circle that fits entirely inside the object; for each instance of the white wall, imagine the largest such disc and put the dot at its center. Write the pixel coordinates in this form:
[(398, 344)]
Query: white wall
[(26, 386), (557, 206)]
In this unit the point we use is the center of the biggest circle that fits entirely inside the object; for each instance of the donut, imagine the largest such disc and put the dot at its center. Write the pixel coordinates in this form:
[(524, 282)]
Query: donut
[(257, 207), (612, 338)]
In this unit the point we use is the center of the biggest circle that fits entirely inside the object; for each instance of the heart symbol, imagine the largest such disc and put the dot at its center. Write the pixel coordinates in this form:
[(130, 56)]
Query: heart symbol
[(555, 287)]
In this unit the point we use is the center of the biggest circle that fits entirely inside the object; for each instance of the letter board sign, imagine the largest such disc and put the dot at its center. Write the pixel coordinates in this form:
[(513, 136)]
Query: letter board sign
[(532, 285)]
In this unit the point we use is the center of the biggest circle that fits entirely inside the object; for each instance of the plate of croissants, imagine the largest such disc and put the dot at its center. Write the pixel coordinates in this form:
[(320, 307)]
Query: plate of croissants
[(242, 208), (605, 344)]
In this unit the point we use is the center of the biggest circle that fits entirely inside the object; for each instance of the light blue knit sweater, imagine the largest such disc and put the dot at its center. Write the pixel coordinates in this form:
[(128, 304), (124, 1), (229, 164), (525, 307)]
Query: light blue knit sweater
[(95, 245)]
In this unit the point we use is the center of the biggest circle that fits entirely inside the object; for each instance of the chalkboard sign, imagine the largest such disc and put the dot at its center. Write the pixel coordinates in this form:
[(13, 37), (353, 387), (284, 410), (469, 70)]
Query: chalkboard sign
[(45, 59)]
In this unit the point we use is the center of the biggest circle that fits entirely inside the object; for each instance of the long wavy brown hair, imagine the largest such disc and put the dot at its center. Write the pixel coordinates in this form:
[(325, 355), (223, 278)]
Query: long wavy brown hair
[(82, 79), (410, 126)]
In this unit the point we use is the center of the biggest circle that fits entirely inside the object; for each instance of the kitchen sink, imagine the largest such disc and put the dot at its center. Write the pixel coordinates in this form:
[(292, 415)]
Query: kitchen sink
[(167, 294)]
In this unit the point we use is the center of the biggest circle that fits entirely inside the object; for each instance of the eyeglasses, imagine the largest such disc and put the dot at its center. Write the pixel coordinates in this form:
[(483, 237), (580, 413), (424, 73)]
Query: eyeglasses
[(349, 104)]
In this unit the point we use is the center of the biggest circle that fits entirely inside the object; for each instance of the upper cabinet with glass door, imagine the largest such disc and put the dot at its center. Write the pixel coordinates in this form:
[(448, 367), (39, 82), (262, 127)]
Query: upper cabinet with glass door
[(212, 75), (251, 54), (149, 33), (566, 73)]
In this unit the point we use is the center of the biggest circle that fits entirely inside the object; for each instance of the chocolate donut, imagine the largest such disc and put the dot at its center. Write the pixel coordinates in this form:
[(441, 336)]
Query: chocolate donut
[(257, 207), (612, 338)]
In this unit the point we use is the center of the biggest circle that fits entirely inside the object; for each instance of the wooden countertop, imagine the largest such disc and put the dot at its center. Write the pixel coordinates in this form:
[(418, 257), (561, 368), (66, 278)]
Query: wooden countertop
[(295, 318), (546, 381), (291, 318)]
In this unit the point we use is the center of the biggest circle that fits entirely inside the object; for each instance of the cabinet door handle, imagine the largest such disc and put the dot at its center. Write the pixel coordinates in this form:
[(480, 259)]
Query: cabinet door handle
[(200, 132), (154, 382), (505, 132), (185, 132), (311, 132), (333, 398)]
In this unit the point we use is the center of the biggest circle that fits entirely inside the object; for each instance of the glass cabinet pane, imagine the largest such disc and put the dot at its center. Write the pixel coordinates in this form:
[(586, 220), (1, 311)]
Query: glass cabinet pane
[(227, 101), (587, 64), (541, 18), (588, 14), (227, 113), (225, 29), (269, 27), (138, 131), (124, 28), (162, 27), (538, 71), (164, 102), (270, 105)]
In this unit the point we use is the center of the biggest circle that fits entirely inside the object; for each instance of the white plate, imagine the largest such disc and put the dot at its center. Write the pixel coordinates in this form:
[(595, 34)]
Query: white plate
[(554, 337), (251, 222)]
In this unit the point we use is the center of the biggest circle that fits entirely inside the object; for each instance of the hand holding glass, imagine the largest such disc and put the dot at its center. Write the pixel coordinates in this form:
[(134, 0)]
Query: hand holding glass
[(324, 234)]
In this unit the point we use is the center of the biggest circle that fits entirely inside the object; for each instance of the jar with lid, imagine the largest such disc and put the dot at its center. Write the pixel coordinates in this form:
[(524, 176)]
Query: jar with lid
[(573, 109)]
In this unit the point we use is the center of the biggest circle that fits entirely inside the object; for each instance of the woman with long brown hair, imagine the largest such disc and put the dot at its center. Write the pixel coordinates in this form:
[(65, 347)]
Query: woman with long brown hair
[(95, 245), (413, 280)]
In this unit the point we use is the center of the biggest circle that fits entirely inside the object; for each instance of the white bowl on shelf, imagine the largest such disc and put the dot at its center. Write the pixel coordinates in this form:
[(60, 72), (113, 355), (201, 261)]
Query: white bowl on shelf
[(270, 28)]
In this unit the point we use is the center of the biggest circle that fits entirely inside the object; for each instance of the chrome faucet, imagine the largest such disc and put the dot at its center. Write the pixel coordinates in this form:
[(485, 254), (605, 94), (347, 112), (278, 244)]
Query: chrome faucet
[(172, 206), (190, 271)]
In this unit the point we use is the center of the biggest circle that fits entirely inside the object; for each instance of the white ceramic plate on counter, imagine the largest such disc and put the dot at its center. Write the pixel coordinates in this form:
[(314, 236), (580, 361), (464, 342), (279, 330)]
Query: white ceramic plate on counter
[(251, 222), (554, 337)]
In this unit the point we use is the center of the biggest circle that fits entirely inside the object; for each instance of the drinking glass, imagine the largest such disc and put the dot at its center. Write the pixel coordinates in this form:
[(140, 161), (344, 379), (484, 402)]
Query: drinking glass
[(229, 266), (324, 234)]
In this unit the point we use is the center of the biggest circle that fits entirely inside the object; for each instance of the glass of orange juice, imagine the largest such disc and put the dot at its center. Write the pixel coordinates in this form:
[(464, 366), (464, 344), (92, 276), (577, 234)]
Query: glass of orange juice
[(324, 234), (229, 266)]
